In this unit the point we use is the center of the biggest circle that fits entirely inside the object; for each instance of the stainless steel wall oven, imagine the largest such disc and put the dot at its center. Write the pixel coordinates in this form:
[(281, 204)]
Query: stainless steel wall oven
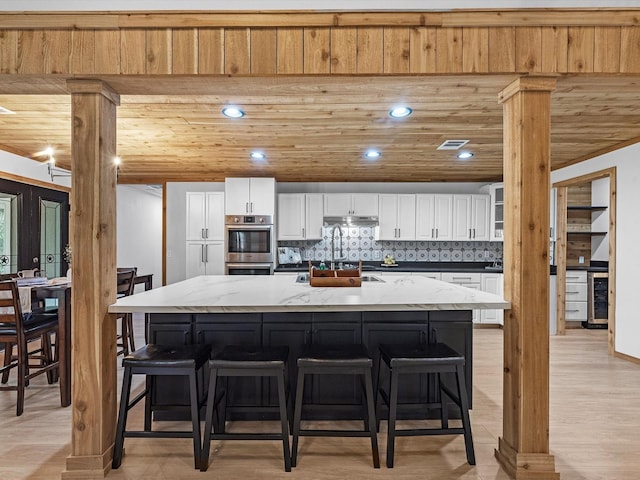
[(249, 244)]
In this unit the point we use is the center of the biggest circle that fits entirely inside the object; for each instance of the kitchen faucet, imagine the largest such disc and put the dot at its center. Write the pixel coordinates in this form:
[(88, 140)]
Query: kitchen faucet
[(333, 249)]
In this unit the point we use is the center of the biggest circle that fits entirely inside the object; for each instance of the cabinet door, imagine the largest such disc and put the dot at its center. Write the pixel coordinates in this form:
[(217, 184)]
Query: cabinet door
[(425, 219), (276, 331), (480, 206), (243, 391), (414, 387), (443, 216), (459, 336), (215, 216), (196, 215), (337, 204), (214, 256), (291, 216), (314, 209), (364, 204), (337, 389), (492, 283), (236, 195), (461, 217), (195, 264), (388, 221), (262, 196), (172, 390), (497, 212), (406, 217)]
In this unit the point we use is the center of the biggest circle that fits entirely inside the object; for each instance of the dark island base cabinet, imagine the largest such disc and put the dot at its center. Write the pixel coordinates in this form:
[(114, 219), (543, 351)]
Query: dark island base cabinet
[(335, 396)]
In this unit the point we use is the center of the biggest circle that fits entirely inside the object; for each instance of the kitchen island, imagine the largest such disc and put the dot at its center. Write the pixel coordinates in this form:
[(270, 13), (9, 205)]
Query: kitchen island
[(275, 310)]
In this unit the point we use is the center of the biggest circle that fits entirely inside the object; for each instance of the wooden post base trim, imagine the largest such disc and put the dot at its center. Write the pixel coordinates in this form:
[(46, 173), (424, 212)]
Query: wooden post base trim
[(526, 466), (88, 467)]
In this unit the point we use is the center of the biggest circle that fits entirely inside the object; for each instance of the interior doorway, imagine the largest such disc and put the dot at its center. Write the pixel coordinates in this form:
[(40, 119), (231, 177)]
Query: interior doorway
[(586, 233)]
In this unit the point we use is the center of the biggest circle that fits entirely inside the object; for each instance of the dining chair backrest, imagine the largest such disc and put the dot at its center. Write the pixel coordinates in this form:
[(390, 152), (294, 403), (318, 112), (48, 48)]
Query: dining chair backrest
[(125, 281), (10, 307)]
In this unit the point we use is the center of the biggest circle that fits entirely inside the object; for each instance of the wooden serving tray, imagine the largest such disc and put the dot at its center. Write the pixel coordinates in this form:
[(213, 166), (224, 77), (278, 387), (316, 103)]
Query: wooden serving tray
[(335, 278)]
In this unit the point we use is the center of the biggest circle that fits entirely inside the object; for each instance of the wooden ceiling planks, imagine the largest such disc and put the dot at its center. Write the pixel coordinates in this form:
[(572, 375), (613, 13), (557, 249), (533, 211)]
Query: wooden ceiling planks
[(313, 129)]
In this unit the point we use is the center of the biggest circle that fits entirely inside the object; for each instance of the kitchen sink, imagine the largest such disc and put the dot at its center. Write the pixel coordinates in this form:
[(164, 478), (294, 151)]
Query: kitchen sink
[(304, 278)]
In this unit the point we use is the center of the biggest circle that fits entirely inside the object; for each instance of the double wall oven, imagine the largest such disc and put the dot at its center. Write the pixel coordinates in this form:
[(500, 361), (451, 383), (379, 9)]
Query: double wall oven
[(249, 245)]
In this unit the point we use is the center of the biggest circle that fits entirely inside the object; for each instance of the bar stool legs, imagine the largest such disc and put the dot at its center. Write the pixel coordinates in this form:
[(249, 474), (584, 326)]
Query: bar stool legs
[(431, 358), (349, 360), (245, 361)]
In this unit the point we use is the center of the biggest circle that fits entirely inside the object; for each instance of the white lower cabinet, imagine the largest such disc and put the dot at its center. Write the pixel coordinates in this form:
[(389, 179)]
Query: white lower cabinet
[(464, 279), (492, 283), (204, 258), (575, 306)]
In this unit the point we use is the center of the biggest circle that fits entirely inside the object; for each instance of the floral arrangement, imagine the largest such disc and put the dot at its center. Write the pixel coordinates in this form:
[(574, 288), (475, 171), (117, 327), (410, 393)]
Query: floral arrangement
[(67, 254)]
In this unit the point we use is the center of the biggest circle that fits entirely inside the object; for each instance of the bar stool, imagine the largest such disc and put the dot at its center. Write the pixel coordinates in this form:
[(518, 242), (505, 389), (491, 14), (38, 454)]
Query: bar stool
[(435, 358), (245, 361), (341, 360), (152, 360)]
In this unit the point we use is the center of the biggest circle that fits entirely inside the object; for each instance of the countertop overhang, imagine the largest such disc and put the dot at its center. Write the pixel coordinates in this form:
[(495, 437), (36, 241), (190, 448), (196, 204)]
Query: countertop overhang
[(280, 293)]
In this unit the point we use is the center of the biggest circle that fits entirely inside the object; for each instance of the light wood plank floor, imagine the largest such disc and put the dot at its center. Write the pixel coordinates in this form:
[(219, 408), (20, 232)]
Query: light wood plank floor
[(595, 420)]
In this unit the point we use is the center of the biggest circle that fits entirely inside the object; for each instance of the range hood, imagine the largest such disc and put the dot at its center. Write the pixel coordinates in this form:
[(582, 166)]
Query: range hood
[(351, 220)]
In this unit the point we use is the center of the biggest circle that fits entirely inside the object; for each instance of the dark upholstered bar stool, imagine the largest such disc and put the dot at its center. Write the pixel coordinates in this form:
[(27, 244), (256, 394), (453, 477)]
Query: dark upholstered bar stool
[(435, 358), (152, 360), (336, 360), (245, 361)]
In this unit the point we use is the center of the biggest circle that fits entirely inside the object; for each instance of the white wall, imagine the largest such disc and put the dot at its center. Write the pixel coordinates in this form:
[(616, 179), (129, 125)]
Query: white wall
[(113, 5), (139, 230), (627, 162), (177, 226), (28, 168)]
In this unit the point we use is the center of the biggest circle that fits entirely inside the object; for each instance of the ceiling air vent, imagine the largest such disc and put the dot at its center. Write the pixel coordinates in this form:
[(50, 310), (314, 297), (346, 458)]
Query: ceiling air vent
[(452, 144)]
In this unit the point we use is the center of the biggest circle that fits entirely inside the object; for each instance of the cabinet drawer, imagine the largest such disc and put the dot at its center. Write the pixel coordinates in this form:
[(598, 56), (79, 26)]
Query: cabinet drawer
[(576, 292), (461, 278), (576, 276), (576, 311), (433, 275)]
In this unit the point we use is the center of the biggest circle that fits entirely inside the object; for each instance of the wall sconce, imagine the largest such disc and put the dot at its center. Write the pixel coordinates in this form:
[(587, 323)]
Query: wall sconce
[(55, 171)]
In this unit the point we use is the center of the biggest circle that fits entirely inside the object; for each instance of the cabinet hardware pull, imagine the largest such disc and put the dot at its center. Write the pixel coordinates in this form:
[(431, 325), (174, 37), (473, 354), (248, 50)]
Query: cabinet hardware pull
[(206, 254), (303, 231), (437, 233), (470, 234), (251, 207), (202, 253), (433, 233), (398, 233), (206, 233), (202, 233), (246, 207), (474, 233)]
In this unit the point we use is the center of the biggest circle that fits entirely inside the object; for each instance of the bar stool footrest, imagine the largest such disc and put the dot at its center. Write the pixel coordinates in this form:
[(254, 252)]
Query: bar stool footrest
[(429, 431)]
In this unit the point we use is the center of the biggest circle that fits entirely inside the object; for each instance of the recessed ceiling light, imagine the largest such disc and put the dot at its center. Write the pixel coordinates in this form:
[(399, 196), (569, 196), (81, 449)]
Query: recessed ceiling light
[(257, 155), (372, 154), (232, 112), (6, 111), (117, 161), (465, 155), (400, 112)]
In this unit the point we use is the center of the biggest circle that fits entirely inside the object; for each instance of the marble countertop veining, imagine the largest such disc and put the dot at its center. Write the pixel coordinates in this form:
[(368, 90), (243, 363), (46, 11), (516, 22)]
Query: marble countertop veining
[(281, 293)]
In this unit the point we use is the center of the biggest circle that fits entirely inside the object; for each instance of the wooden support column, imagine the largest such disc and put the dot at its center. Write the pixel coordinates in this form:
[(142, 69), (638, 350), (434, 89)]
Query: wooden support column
[(523, 449), (93, 243)]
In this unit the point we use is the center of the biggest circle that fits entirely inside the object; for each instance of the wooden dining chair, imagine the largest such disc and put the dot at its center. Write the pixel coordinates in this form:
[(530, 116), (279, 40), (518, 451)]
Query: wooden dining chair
[(22, 331), (125, 282)]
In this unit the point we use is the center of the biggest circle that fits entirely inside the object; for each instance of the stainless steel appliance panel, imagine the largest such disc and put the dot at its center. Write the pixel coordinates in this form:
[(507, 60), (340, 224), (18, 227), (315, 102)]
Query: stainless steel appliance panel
[(249, 239), (249, 269)]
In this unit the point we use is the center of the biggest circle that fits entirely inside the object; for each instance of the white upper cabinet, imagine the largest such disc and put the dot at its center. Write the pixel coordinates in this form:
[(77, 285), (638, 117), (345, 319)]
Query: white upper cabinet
[(470, 217), (252, 196), (434, 216), (300, 216), (397, 217), (205, 216), (496, 229), (345, 204)]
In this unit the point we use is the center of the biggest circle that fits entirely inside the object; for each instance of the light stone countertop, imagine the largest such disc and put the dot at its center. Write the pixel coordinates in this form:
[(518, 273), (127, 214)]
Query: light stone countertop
[(281, 293)]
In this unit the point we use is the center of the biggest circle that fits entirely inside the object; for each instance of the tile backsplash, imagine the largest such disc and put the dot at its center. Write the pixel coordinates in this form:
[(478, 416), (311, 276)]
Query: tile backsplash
[(359, 243)]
